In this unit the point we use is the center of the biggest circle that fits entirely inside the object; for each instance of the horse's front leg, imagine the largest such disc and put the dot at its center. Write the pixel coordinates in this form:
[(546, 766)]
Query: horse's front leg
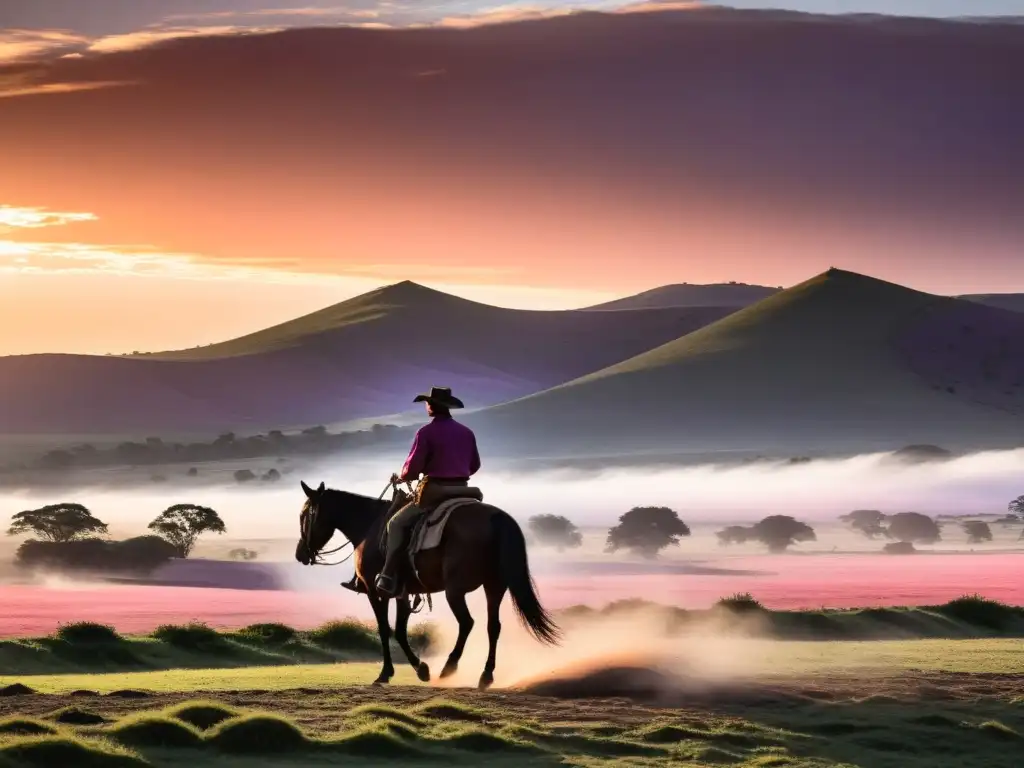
[(380, 610), (403, 612)]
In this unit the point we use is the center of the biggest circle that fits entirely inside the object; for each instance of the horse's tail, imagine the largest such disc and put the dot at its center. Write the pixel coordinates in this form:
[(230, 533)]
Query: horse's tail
[(515, 570)]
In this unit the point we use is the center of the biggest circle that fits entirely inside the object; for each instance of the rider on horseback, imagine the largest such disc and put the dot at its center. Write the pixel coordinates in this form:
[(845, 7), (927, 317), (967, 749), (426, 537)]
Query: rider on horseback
[(445, 453)]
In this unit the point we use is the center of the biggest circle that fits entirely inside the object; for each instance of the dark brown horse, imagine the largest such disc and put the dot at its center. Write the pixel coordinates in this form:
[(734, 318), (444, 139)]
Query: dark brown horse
[(481, 546)]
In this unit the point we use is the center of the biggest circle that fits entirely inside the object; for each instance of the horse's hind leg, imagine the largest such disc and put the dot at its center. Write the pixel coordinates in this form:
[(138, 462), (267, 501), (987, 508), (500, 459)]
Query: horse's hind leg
[(457, 601), (401, 635), (495, 592)]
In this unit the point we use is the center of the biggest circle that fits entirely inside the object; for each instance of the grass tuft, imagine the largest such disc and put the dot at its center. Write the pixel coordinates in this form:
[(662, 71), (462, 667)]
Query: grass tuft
[(479, 740), (194, 636), (148, 730), (442, 709), (52, 751), (346, 635), (77, 716), (257, 734), (270, 634), (978, 611), (20, 726), (997, 730), (740, 603), (87, 633), (374, 741), (16, 689), (201, 714), (378, 712)]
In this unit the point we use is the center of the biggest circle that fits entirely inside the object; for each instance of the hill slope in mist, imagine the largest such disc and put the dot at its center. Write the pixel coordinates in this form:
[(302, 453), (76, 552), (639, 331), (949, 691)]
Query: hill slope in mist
[(361, 358), (839, 362), (736, 295), (1011, 301)]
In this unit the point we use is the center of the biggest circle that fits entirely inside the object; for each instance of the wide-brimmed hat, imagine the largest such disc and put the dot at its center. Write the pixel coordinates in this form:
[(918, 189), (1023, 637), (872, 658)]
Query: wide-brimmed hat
[(441, 396)]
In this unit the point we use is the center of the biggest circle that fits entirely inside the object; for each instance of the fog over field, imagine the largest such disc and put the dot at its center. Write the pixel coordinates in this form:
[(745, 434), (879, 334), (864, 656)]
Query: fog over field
[(818, 490)]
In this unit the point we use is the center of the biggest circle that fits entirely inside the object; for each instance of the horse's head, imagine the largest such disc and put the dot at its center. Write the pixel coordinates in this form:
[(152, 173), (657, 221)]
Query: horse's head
[(315, 525)]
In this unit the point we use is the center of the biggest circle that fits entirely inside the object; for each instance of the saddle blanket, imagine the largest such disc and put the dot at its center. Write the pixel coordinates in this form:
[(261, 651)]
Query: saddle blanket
[(430, 528)]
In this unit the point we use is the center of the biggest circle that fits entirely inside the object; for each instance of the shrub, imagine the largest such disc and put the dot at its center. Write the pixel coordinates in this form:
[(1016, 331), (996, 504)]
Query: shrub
[(87, 632), (899, 548), (194, 636), (346, 636)]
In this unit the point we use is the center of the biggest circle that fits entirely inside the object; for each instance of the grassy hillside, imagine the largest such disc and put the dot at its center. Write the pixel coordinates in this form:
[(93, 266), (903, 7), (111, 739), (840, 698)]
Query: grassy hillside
[(685, 295), (361, 358), (820, 366)]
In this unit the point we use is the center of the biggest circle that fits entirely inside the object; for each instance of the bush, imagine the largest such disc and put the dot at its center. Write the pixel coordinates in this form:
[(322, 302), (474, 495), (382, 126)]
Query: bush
[(978, 610), (141, 554), (244, 475), (346, 636), (194, 636), (271, 634), (740, 603), (899, 548), (87, 632)]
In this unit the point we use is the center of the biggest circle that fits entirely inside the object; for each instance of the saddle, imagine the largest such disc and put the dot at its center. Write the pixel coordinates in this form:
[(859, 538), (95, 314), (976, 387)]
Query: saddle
[(427, 530)]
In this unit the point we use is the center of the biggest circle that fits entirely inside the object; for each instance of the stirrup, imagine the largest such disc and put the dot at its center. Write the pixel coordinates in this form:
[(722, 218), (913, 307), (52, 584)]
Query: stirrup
[(387, 585)]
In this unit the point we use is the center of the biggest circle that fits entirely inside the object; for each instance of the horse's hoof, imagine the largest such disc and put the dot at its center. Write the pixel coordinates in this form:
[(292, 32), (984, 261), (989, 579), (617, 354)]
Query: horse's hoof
[(382, 680), (423, 672), (449, 670), (486, 681)]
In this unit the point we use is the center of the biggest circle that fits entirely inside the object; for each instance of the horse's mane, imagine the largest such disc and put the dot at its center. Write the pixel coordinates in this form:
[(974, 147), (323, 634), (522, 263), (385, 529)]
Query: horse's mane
[(352, 513)]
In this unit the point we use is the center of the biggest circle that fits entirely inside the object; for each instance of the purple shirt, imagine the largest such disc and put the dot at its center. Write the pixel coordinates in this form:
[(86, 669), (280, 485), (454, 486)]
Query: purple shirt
[(443, 448)]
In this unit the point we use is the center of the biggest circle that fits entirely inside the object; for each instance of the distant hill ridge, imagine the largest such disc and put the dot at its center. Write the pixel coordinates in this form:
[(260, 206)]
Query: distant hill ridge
[(361, 358), (820, 365)]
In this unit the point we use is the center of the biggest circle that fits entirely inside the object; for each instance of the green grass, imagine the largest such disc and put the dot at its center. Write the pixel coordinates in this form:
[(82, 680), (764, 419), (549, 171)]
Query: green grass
[(86, 647)]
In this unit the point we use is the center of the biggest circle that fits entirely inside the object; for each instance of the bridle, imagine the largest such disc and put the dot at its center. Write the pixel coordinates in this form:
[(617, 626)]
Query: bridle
[(314, 509)]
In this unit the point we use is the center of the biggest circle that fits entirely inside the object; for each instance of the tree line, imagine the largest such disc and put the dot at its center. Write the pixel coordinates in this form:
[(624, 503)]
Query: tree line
[(645, 531), (226, 447), (68, 536)]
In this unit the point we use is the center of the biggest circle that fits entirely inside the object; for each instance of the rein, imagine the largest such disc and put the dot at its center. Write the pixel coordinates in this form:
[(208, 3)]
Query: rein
[(315, 558)]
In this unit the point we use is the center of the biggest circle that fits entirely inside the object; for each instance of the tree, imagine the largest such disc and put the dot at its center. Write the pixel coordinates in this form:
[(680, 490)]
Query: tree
[(977, 531), (779, 532), (183, 524), (914, 527), (57, 523), (555, 531), (866, 521), (733, 534), (1016, 507), (646, 531)]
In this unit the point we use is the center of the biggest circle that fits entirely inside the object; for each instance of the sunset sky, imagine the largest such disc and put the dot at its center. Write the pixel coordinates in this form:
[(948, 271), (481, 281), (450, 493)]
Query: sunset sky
[(175, 178)]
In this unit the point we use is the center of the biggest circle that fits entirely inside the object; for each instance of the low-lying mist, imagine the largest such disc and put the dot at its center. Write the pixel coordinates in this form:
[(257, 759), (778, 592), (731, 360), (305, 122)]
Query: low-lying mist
[(813, 491)]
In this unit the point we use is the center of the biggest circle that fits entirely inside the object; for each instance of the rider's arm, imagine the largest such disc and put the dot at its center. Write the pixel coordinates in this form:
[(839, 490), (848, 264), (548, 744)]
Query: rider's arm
[(474, 464), (417, 459)]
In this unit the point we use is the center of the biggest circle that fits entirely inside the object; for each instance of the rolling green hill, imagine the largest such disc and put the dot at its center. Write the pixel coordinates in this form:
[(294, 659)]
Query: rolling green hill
[(821, 366)]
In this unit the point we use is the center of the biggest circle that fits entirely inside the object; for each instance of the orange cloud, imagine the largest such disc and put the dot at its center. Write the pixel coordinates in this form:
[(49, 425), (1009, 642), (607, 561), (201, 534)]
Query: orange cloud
[(21, 44), (147, 37), (12, 217)]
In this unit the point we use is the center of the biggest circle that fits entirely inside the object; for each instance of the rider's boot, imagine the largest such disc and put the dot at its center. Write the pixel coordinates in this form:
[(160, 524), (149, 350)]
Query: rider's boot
[(387, 580), (355, 585)]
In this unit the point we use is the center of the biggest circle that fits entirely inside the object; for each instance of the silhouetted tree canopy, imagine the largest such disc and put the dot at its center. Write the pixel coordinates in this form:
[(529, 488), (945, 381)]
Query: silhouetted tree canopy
[(646, 531), (1016, 507), (914, 527), (555, 531), (779, 532), (733, 534), (137, 555), (977, 531), (867, 521), (183, 524), (899, 548), (57, 522)]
